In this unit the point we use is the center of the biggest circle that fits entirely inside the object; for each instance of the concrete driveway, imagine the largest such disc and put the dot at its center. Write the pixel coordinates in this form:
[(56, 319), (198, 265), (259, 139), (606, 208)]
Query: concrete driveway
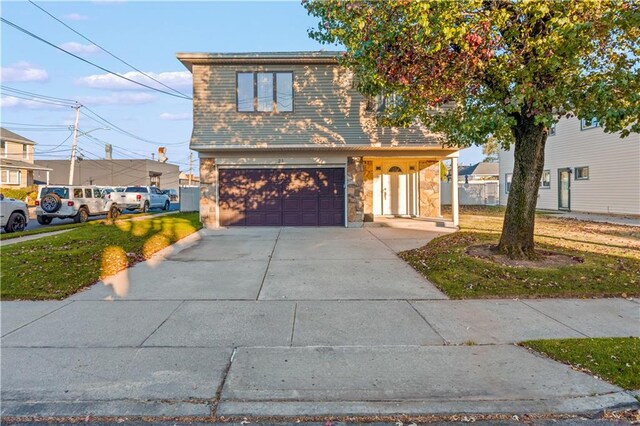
[(295, 321)]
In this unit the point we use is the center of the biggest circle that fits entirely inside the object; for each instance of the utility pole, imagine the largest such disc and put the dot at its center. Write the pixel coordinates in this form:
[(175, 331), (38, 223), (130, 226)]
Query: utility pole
[(74, 145), (190, 166)]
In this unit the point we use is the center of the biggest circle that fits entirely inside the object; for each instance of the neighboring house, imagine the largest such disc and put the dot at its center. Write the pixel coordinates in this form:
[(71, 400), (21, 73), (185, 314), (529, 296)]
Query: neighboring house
[(121, 172), (186, 180), (478, 185), (285, 139), (586, 170), (16, 160), (482, 171)]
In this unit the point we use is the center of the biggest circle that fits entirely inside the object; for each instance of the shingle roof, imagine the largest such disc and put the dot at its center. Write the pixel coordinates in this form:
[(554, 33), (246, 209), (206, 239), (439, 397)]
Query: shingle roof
[(17, 164), (484, 168), (14, 137)]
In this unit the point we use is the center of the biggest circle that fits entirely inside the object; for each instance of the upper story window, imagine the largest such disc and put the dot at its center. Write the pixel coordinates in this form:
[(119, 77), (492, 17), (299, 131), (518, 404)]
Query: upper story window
[(507, 182), (552, 130), (3, 149), (25, 152), (265, 91), (589, 124)]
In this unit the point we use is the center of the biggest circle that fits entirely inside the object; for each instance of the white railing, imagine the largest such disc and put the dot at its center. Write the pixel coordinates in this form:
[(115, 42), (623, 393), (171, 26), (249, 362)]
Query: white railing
[(479, 193)]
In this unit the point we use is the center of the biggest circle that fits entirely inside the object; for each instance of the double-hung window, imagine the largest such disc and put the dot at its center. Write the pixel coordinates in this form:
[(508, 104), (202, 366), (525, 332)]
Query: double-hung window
[(589, 124), (25, 152), (545, 180), (12, 177), (507, 182), (264, 91)]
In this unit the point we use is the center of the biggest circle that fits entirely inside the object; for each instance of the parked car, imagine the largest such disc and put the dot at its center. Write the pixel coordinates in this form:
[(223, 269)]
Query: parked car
[(14, 214), (172, 193), (77, 202), (143, 198)]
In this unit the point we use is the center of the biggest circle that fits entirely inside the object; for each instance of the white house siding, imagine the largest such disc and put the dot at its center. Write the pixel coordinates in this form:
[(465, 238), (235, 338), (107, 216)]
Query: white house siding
[(614, 169)]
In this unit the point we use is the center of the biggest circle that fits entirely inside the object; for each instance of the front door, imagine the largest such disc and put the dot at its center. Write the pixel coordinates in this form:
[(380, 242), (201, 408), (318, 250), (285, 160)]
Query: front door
[(564, 189), (394, 189)]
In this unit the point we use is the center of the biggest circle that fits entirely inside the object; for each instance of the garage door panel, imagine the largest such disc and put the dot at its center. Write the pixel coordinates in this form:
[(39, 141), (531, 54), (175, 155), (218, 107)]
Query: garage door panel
[(295, 197)]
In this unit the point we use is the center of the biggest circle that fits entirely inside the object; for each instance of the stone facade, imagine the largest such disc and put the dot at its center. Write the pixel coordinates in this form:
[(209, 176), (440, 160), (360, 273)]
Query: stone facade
[(209, 193), (367, 174), (429, 189), (355, 191)]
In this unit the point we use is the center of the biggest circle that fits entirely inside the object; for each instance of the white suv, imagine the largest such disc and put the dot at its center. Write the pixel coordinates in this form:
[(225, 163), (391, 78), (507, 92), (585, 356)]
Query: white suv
[(77, 202), (14, 214)]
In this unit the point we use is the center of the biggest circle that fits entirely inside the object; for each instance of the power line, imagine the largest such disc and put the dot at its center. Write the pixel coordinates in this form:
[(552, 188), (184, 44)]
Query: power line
[(24, 92), (12, 95), (35, 125), (104, 121), (106, 51), (29, 33)]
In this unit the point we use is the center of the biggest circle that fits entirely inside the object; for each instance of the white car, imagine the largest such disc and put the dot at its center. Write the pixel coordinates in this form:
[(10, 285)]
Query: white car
[(77, 202), (142, 198), (14, 214)]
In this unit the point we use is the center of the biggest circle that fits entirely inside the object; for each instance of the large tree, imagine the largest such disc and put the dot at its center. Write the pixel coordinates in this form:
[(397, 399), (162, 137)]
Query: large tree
[(478, 70)]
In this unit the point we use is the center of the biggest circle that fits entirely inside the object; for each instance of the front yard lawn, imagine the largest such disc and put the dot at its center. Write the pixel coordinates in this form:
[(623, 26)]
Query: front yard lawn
[(58, 266), (610, 254), (613, 359)]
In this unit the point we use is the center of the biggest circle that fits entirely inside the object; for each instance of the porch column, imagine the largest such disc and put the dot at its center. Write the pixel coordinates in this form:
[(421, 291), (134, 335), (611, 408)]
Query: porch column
[(454, 190), (48, 177)]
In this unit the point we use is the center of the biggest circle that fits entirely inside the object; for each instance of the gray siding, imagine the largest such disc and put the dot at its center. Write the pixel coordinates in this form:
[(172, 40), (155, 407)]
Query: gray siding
[(614, 169), (328, 111), (110, 172)]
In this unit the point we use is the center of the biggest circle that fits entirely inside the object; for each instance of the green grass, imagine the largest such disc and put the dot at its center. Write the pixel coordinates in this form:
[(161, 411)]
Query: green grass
[(54, 228), (58, 266), (613, 359), (443, 261)]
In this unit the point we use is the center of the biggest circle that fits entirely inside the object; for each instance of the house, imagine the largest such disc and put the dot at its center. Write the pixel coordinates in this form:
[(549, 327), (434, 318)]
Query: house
[(109, 172), (285, 139), (483, 171), (16, 160), (187, 179), (585, 170), (478, 185)]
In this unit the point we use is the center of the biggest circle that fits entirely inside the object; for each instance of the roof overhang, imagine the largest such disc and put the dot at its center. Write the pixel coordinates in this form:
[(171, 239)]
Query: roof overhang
[(259, 58)]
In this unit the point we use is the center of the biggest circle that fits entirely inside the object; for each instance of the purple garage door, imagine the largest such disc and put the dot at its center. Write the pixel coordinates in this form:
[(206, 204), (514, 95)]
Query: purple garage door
[(283, 197)]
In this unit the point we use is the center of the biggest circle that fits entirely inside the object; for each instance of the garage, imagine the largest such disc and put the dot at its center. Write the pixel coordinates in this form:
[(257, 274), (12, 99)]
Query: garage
[(281, 197)]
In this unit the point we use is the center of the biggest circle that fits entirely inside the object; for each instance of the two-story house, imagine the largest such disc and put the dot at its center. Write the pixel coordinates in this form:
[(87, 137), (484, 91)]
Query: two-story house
[(285, 139), (16, 160), (585, 170)]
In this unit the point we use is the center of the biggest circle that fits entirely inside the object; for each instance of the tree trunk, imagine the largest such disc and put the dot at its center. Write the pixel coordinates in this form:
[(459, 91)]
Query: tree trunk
[(516, 240)]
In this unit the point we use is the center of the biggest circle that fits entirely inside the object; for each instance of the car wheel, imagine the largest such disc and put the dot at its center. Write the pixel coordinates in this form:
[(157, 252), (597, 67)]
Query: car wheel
[(145, 207), (44, 220), (114, 212), (17, 222), (82, 216), (51, 203), (166, 206)]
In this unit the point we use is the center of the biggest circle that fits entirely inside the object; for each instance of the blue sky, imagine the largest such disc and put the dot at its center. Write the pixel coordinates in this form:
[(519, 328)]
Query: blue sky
[(147, 35)]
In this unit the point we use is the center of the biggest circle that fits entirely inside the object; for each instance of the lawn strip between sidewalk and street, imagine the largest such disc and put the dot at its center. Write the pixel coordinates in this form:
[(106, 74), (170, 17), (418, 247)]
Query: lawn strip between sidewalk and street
[(614, 359)]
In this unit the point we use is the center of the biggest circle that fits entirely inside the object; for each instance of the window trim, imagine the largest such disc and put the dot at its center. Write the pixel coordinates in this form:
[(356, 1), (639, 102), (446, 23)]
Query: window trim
[(275, 91), (553, 130), (5, 150), (507, 182), (594, 124), (7, 181), (542, 186), (575, 173), (25, 152)]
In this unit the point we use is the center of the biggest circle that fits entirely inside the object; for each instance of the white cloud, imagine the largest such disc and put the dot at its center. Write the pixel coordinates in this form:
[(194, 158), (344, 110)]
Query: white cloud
[(176, 79), (169, 116), (22, 71), (8, 101), (76, 17), (74, 47), (122, 98)]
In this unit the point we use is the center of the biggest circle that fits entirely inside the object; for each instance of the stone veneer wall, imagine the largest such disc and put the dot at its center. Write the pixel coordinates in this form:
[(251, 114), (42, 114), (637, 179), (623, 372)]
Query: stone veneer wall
[(209, 193), (429, 189), (355, 191), (367, 178)]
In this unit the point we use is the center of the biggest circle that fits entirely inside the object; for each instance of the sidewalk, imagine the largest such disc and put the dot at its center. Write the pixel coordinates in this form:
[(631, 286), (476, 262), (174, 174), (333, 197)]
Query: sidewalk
[(292, 322)]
